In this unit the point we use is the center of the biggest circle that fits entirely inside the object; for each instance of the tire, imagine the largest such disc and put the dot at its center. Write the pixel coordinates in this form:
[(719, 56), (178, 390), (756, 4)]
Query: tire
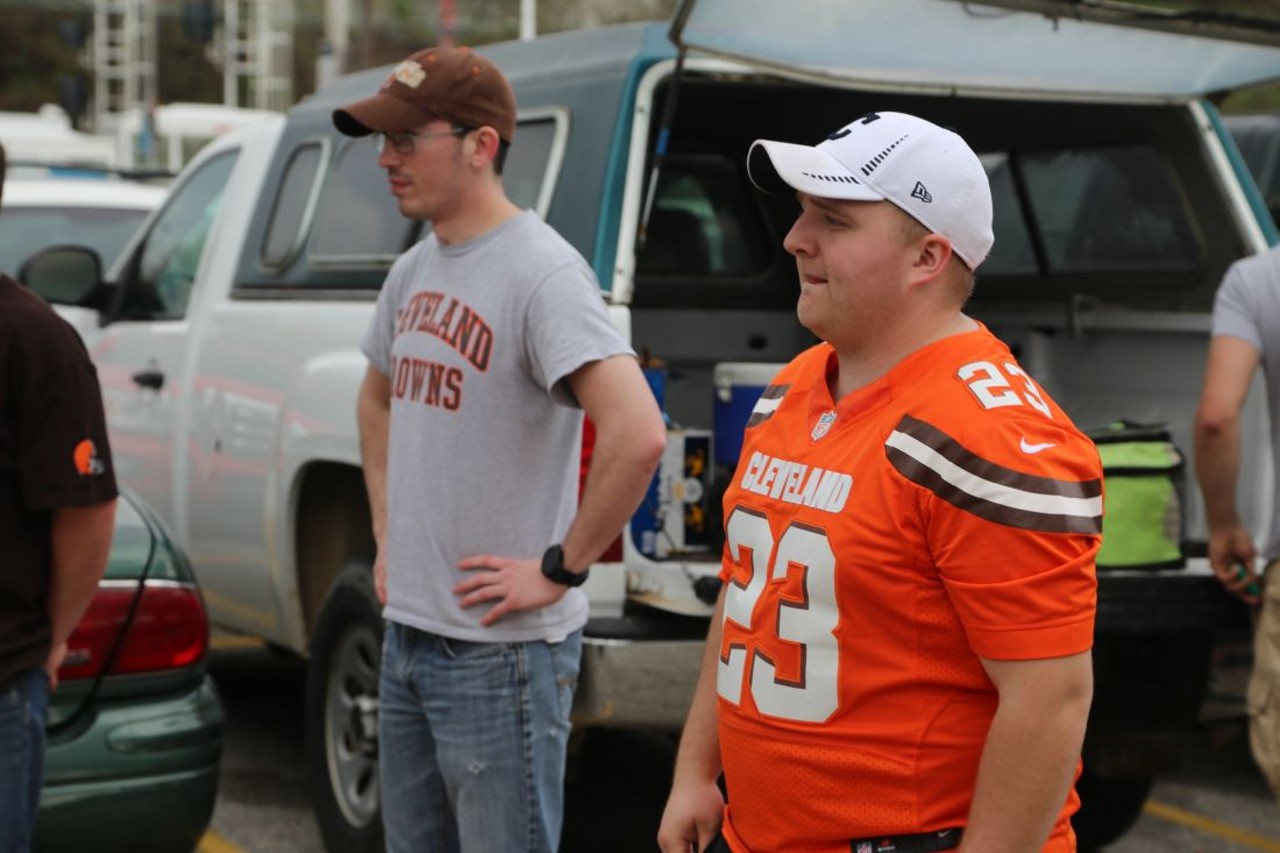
[(341, 743), (1109, 806)]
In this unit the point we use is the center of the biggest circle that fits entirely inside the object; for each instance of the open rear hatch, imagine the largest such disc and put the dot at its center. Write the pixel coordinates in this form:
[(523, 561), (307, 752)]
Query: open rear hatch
[(1089, 97), (999, 48)]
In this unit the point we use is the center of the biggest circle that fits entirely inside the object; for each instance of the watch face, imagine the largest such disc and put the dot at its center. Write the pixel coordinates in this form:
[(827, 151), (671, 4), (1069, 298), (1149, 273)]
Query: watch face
[(553, 568), (553, 560)]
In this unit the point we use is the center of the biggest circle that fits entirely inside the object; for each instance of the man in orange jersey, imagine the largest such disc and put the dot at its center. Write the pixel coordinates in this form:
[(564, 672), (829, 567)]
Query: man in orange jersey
[(900, 657)]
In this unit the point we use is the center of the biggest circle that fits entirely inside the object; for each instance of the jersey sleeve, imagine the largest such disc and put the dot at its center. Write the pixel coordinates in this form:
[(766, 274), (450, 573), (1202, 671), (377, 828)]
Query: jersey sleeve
[(1012, 515), (64, 457)]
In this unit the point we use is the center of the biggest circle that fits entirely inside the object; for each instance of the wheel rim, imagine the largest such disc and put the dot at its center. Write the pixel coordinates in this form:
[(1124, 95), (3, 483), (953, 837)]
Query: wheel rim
[(352, 754)]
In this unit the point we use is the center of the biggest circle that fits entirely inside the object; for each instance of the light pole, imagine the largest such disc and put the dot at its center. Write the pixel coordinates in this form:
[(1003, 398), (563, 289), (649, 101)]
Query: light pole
[(337, 29), (528, 19)]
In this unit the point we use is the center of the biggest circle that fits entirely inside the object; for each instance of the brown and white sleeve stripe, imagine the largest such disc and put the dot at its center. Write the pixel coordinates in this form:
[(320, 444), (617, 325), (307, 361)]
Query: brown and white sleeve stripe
[(933, 460), (768, 403)]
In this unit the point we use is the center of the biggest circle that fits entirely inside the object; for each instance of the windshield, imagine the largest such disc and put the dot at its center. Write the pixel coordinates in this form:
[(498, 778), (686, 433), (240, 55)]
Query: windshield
[(26, 230)]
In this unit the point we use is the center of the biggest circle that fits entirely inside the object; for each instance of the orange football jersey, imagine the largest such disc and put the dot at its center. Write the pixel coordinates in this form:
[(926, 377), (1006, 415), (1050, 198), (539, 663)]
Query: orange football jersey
[(875, 549)]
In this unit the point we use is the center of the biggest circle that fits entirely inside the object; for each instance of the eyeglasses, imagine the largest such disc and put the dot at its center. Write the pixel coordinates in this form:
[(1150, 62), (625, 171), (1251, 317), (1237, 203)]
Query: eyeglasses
[(403, 141)]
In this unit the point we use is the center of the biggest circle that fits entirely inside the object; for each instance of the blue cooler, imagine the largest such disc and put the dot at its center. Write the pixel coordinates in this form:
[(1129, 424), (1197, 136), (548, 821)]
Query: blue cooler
[(646, 523), (738, 385)]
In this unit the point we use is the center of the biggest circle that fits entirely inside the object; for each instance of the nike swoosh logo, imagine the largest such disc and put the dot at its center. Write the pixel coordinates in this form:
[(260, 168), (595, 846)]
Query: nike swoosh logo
[(1027, 447)]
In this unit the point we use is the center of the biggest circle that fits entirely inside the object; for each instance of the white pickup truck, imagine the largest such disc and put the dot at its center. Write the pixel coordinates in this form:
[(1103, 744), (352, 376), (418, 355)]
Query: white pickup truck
[(228, 331)]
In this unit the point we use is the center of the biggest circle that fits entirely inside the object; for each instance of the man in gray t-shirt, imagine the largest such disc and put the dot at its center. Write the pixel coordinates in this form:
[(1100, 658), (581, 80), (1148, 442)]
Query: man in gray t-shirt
[(1246, 335), (489, 343)]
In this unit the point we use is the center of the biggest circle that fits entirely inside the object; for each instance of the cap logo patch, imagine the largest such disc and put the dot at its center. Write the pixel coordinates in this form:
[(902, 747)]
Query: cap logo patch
[(86, 459), (870, 165), (921, 193), (409, 73)]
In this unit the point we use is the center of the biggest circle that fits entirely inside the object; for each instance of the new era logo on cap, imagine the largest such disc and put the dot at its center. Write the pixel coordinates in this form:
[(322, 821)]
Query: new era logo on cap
[(926, 170)]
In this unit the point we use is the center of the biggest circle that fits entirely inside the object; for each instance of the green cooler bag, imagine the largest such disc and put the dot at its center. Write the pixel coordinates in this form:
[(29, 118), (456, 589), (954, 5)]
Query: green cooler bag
[(1143, 512)]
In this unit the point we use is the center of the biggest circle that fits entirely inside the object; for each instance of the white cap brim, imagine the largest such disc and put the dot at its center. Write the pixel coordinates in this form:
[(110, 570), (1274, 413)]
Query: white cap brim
[(775, 166)]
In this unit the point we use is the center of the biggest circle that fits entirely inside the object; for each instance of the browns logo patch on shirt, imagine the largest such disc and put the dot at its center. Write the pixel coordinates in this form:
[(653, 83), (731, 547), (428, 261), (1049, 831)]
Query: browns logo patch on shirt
[(86, 459)]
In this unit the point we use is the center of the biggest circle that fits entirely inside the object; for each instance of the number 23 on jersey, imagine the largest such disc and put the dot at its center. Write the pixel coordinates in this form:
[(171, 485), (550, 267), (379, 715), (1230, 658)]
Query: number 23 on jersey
[(806, 619)]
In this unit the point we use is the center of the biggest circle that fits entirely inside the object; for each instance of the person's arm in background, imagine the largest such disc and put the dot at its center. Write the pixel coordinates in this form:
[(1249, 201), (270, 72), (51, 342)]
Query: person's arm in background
[(1031, 752), (695, 807), (630, 439), (81, 544), (373, 415), (1231, 365)]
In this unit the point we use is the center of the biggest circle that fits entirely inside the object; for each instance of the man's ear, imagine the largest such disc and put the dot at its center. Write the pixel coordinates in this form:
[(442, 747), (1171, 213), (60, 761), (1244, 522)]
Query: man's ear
[(934, 253), (486, 140)]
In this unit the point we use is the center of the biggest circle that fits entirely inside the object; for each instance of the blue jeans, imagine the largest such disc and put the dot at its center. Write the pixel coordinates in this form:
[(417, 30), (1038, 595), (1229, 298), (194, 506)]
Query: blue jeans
[(471, 742), (24, 709)]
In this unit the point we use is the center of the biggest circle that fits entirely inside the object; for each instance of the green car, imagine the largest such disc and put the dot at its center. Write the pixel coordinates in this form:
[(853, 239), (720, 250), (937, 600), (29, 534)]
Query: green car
[(135, 726)]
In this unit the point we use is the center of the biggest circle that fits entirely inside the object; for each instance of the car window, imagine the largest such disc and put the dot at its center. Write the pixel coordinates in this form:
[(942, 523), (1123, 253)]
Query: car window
[(1112, 209), (171, 254), (357, 220), (286, 226), (526, 168), (1258, 138), (131, 543), (703, 222), (1012, 251), (26, 230)]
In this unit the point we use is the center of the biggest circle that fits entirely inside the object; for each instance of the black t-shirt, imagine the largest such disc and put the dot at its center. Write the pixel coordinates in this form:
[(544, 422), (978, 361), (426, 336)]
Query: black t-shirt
[(53, 454)]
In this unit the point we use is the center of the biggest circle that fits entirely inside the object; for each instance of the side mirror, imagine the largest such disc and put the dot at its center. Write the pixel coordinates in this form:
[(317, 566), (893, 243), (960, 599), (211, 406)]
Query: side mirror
[(63, 275)]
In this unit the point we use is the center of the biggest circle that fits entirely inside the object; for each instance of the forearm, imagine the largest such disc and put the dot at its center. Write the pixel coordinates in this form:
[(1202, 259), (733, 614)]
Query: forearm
[(698, 758), (1229, 370), (1028, 762), (1217, 454), (81, 543), (622, 466), (695, 807), (374, 419)]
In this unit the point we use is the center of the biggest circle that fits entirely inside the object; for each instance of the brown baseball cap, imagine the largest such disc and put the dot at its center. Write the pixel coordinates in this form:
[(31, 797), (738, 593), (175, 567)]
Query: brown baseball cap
[(453, 84)]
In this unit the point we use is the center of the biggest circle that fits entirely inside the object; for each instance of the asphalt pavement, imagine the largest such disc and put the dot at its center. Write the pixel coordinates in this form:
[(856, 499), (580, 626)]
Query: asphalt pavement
[(1215, 802)]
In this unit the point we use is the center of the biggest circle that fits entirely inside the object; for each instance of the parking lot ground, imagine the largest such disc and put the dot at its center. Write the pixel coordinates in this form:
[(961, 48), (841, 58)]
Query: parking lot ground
[(263, 804), (1214, 802)]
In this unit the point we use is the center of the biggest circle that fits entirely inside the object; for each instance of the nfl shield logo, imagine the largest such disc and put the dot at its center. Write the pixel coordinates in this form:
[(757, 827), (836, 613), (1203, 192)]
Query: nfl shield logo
[(823, 426)]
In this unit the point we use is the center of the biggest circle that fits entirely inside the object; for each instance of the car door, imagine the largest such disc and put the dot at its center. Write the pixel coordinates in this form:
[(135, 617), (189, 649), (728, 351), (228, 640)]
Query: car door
[(142, 353)]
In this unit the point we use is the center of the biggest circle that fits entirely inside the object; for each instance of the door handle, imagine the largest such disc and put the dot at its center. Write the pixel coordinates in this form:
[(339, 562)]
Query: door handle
[(149, 379)]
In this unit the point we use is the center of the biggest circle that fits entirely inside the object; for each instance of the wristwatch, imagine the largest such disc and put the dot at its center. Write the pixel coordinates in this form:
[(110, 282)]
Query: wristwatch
[(553, 568)]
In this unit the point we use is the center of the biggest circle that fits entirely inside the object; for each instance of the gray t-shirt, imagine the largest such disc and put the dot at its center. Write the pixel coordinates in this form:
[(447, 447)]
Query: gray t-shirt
[(1248, 307), (477, 339)]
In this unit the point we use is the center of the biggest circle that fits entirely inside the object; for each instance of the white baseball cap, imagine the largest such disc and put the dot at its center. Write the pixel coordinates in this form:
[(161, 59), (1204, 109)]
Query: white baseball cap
[(927, 171)]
